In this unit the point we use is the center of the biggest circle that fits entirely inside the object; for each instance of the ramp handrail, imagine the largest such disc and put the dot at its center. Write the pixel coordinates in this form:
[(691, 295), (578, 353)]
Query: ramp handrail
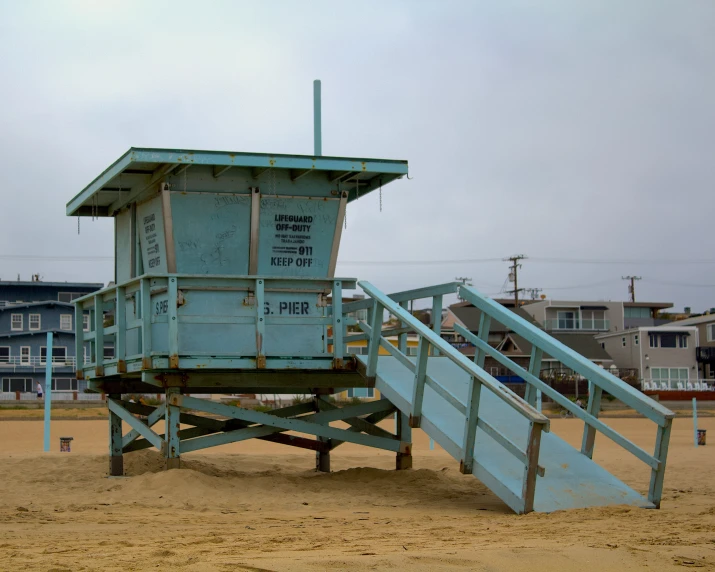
[(478, 378), (599, 380)]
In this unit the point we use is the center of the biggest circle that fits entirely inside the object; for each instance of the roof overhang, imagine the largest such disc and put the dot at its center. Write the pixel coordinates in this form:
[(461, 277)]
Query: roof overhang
[(140, 169)]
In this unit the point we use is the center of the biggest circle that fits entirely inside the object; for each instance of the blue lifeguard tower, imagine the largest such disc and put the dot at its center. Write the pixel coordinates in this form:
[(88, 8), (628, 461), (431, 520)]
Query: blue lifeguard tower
[(225, 283)]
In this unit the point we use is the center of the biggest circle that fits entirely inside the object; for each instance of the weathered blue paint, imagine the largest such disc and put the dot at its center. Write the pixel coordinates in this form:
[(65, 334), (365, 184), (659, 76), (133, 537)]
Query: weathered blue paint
[(48, 392)]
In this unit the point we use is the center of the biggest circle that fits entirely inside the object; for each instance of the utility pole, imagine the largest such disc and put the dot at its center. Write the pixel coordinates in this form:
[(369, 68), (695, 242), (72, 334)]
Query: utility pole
[(632, 285), (533, 292), (514, 276), (464, 280)]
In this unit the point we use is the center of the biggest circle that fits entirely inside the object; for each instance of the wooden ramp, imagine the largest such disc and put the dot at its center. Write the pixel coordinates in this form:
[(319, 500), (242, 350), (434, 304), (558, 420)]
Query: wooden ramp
[(570, 479)]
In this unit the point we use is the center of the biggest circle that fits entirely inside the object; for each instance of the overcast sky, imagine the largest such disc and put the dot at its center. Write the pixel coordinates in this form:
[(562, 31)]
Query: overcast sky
[(559, 130)]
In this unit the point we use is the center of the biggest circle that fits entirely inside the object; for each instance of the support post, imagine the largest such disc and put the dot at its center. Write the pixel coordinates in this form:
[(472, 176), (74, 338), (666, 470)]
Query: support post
[(116, 459), (373, 349), (322, 458), (145, 293), (173, 317), (695, 421), (79, 340), (532, 466), (662, 439), (436, 319), (534, 369), (48, 391), (475, 389), (120, 337), (173, 425), (402, 338), (260, 325), (593, 408), (404, 434), (418, 389), (98, 336), (338, 345)]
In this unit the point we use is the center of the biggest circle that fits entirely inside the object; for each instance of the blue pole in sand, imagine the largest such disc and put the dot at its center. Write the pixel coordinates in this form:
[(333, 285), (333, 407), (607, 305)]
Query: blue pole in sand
[(695, 421), (48, 390)]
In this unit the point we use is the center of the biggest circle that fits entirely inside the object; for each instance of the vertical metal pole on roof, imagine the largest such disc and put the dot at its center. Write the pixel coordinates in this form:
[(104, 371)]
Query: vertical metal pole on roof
[(695, 421), (317, 123), (48, 390)]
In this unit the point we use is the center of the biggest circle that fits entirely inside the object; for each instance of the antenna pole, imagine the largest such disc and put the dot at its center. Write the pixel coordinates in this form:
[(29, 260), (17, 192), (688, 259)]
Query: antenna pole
[(317, 122)]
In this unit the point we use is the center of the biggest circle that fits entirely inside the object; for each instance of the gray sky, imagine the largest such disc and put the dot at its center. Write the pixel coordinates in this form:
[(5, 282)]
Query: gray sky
[(560, 130)]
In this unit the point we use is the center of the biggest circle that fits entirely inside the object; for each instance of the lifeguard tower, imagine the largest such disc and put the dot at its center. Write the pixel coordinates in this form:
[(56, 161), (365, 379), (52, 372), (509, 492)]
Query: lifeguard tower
[(225, 283)]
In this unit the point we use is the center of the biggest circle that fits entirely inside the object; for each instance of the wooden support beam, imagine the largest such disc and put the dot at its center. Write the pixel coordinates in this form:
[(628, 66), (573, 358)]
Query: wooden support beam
[(404, 433), (152, 419), (594, 408), (219, 170), (115, 406), (418, 389), (116, 460)]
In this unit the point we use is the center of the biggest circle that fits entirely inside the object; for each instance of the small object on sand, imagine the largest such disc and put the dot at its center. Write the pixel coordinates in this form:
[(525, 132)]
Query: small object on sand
[(22, 509), (65, 444)]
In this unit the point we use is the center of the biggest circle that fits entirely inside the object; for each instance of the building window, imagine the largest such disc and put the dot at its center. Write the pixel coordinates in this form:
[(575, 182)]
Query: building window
[(108, 352), (710, 329), (682, 341), (361, 392), (629, 312), (673, 377), (16, 322), (636, 339), (64, 384), (5, 355), (653, 340), (85, 322), (68, 296), (566, 320), (12, 384), (65, 321), (59, 355), (623, 341), (25, 355), (593, 320), (34, 321)]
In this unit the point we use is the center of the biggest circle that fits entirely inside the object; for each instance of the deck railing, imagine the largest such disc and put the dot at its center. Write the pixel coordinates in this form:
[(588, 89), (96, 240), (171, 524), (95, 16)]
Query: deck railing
[(600, 381), (430, 343), (34, 361), (127, 315)]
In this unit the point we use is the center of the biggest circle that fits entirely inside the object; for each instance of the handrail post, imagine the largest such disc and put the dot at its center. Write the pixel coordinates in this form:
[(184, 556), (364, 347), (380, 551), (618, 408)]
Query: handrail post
[(534, 368), (436, 319), (145, 296), (662, 438), (402, 338), (593, 408), (98, 336), (338, 348), (120, 337), (531, 468), (418, 389), (172, 315), (79, 339), (475, 390), (373, 349)]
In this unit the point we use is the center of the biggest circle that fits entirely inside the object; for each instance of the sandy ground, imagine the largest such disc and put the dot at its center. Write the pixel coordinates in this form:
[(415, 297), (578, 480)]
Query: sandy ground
[(258, 506)]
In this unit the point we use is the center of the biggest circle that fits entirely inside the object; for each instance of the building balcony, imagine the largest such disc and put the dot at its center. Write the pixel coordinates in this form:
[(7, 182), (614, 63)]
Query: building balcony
[(705, 354), (574, 324), (37, 362)]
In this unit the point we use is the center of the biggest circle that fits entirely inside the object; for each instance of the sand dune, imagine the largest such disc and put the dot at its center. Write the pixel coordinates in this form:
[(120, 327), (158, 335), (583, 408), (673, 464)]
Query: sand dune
[(260, 506)]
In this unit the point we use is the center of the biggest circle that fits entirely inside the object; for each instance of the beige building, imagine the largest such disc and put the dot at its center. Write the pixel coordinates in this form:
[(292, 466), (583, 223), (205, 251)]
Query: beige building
[(665, 356), (705, 350), (594, 317)]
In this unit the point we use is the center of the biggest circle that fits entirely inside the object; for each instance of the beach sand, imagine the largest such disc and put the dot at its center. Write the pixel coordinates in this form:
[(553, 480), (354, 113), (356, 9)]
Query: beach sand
[(258, 506)]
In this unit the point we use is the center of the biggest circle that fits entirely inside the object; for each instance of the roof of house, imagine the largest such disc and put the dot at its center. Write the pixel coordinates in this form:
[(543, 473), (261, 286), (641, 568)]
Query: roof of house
[(587, 346), (14, 306), (469, 315), (705, 319), (140, 168)]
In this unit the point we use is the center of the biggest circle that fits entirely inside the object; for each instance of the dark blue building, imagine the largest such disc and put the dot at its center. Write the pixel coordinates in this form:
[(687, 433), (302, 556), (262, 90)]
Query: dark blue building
[(28, 310)]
